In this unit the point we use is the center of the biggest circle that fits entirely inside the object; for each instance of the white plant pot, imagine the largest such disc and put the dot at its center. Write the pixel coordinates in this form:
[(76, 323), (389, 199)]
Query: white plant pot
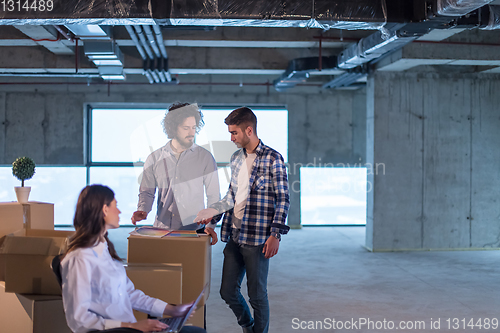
[(22, 193)]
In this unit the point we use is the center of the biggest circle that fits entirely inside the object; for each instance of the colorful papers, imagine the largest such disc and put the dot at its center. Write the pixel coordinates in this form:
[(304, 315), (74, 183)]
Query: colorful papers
[(182, 233)]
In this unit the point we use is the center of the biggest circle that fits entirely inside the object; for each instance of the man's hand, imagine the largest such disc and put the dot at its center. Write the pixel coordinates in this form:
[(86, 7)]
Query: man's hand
[(205, 215), (147, 325), (138, 216), (211, 232), (271, 247), (177, 310)]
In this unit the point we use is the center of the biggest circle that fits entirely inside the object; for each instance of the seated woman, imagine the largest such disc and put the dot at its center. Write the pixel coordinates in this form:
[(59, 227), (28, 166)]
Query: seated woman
[(97, 294)]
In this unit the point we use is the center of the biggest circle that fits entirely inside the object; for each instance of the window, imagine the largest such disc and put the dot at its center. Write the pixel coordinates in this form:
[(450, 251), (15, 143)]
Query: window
[(333, 196), (120, 139), (125, 135), (57, 185)]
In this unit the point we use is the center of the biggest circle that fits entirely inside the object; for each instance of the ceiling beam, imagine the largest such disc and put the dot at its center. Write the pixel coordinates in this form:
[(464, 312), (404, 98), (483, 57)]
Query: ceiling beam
[(428, 53), (182, 60)]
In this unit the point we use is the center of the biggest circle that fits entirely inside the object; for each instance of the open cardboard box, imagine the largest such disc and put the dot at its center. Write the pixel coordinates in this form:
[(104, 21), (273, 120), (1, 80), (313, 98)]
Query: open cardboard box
[(195, 255), (25, 258), (162, 281), (31, 313)]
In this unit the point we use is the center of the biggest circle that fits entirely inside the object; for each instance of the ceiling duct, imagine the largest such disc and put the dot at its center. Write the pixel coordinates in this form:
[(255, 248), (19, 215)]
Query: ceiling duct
[(108, 58), (141, 50), (459, 7), (350, 78), (494, 18), (154, 68), (90, 31), (323, 14), (100, 48), (376, 45), (298, 71), (103, 53)]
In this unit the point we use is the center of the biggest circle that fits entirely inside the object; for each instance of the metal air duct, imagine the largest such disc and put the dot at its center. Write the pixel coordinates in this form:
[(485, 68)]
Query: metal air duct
[(459, 7), (322, 14), (298, 71)]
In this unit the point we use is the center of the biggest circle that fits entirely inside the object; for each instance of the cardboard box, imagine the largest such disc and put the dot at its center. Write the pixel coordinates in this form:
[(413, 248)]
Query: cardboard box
[(33, 215), (26, 258), (39, 215), (11, 217), (195, 255), (162, 281), (31, 313)]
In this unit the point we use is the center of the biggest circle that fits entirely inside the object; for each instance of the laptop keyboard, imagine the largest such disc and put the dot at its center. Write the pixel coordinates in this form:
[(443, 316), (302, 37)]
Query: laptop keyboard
[(173, 323)]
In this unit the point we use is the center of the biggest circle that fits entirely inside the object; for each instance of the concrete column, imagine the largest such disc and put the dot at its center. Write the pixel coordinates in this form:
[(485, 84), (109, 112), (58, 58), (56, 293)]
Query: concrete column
[(424, 129), (3, 125)]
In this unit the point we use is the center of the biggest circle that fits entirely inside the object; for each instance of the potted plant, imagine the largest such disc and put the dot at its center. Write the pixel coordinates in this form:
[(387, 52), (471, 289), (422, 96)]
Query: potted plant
[(23, 168)]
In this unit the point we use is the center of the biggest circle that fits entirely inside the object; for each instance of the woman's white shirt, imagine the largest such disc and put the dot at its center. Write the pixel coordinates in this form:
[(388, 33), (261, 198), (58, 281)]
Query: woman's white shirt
[(97, 294)]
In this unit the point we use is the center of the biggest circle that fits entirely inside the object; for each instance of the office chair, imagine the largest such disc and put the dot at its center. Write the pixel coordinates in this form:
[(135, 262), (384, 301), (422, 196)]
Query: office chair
[(56, 268)]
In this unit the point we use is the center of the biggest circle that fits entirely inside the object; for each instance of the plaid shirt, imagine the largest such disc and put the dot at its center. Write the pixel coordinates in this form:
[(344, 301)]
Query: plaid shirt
[(268, 200)]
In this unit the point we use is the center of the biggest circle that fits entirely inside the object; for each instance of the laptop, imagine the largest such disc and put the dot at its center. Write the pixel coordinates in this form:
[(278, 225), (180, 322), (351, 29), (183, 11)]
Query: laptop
[(175, 324)]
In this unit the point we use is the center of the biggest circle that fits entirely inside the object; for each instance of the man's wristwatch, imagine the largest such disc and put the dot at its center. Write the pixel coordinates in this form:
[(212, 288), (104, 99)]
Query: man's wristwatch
[(276, 235)]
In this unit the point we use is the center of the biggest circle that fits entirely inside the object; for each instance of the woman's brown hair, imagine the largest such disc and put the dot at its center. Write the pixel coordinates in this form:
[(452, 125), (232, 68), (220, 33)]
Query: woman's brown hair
[(89, 219)]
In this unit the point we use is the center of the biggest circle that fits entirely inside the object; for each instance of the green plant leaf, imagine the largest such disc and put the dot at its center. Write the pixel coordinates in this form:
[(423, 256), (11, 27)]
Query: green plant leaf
[(23, 168)]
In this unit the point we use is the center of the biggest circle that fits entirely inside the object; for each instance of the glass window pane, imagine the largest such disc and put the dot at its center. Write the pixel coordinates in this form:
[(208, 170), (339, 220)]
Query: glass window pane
[(124, 181), (58, 185), (124, 135), (272, 129), (333, 196), (135, 133)]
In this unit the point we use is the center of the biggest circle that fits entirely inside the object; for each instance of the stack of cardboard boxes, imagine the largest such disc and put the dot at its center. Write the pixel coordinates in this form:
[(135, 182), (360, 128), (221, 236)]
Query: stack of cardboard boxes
[(30, 298), (195, 256), (172, 269)]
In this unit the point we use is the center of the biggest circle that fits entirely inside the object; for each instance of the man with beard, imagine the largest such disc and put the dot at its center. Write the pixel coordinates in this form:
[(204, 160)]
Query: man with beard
[(182, 171), (255, 209)]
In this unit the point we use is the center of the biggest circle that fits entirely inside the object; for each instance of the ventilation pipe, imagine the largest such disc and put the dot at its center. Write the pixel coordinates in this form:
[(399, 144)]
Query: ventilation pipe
[(459, 7), (163, 50), (139, 47), (152, 42), (494, 18), (147, 48), (298, 71), (322, 14)]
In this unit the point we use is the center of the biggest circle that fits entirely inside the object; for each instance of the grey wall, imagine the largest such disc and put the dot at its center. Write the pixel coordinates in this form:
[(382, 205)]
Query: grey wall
[(46, 122), (437, 136)]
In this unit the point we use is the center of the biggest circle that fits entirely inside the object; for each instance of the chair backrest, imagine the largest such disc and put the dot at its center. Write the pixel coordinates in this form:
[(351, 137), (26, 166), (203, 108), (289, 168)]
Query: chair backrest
[(56, 268)]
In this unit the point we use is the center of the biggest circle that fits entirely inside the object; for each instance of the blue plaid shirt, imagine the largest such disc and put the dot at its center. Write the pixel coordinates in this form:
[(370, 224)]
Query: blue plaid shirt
[(268, 199)]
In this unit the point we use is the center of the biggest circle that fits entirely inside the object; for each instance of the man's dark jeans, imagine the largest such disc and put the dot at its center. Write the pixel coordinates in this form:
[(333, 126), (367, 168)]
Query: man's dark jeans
[(238, 259)]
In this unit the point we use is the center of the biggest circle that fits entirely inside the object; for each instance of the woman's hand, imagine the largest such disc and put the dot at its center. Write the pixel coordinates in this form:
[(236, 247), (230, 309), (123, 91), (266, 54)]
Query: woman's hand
[(147, 325), (177, 310)]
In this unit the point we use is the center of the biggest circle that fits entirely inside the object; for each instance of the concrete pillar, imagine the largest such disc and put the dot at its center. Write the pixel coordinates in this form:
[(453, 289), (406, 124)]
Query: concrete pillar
[(425, 140), (3, 124)]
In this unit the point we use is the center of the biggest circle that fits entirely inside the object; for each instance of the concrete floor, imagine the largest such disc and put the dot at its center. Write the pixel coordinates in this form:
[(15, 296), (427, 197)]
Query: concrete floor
[(324, 273)]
